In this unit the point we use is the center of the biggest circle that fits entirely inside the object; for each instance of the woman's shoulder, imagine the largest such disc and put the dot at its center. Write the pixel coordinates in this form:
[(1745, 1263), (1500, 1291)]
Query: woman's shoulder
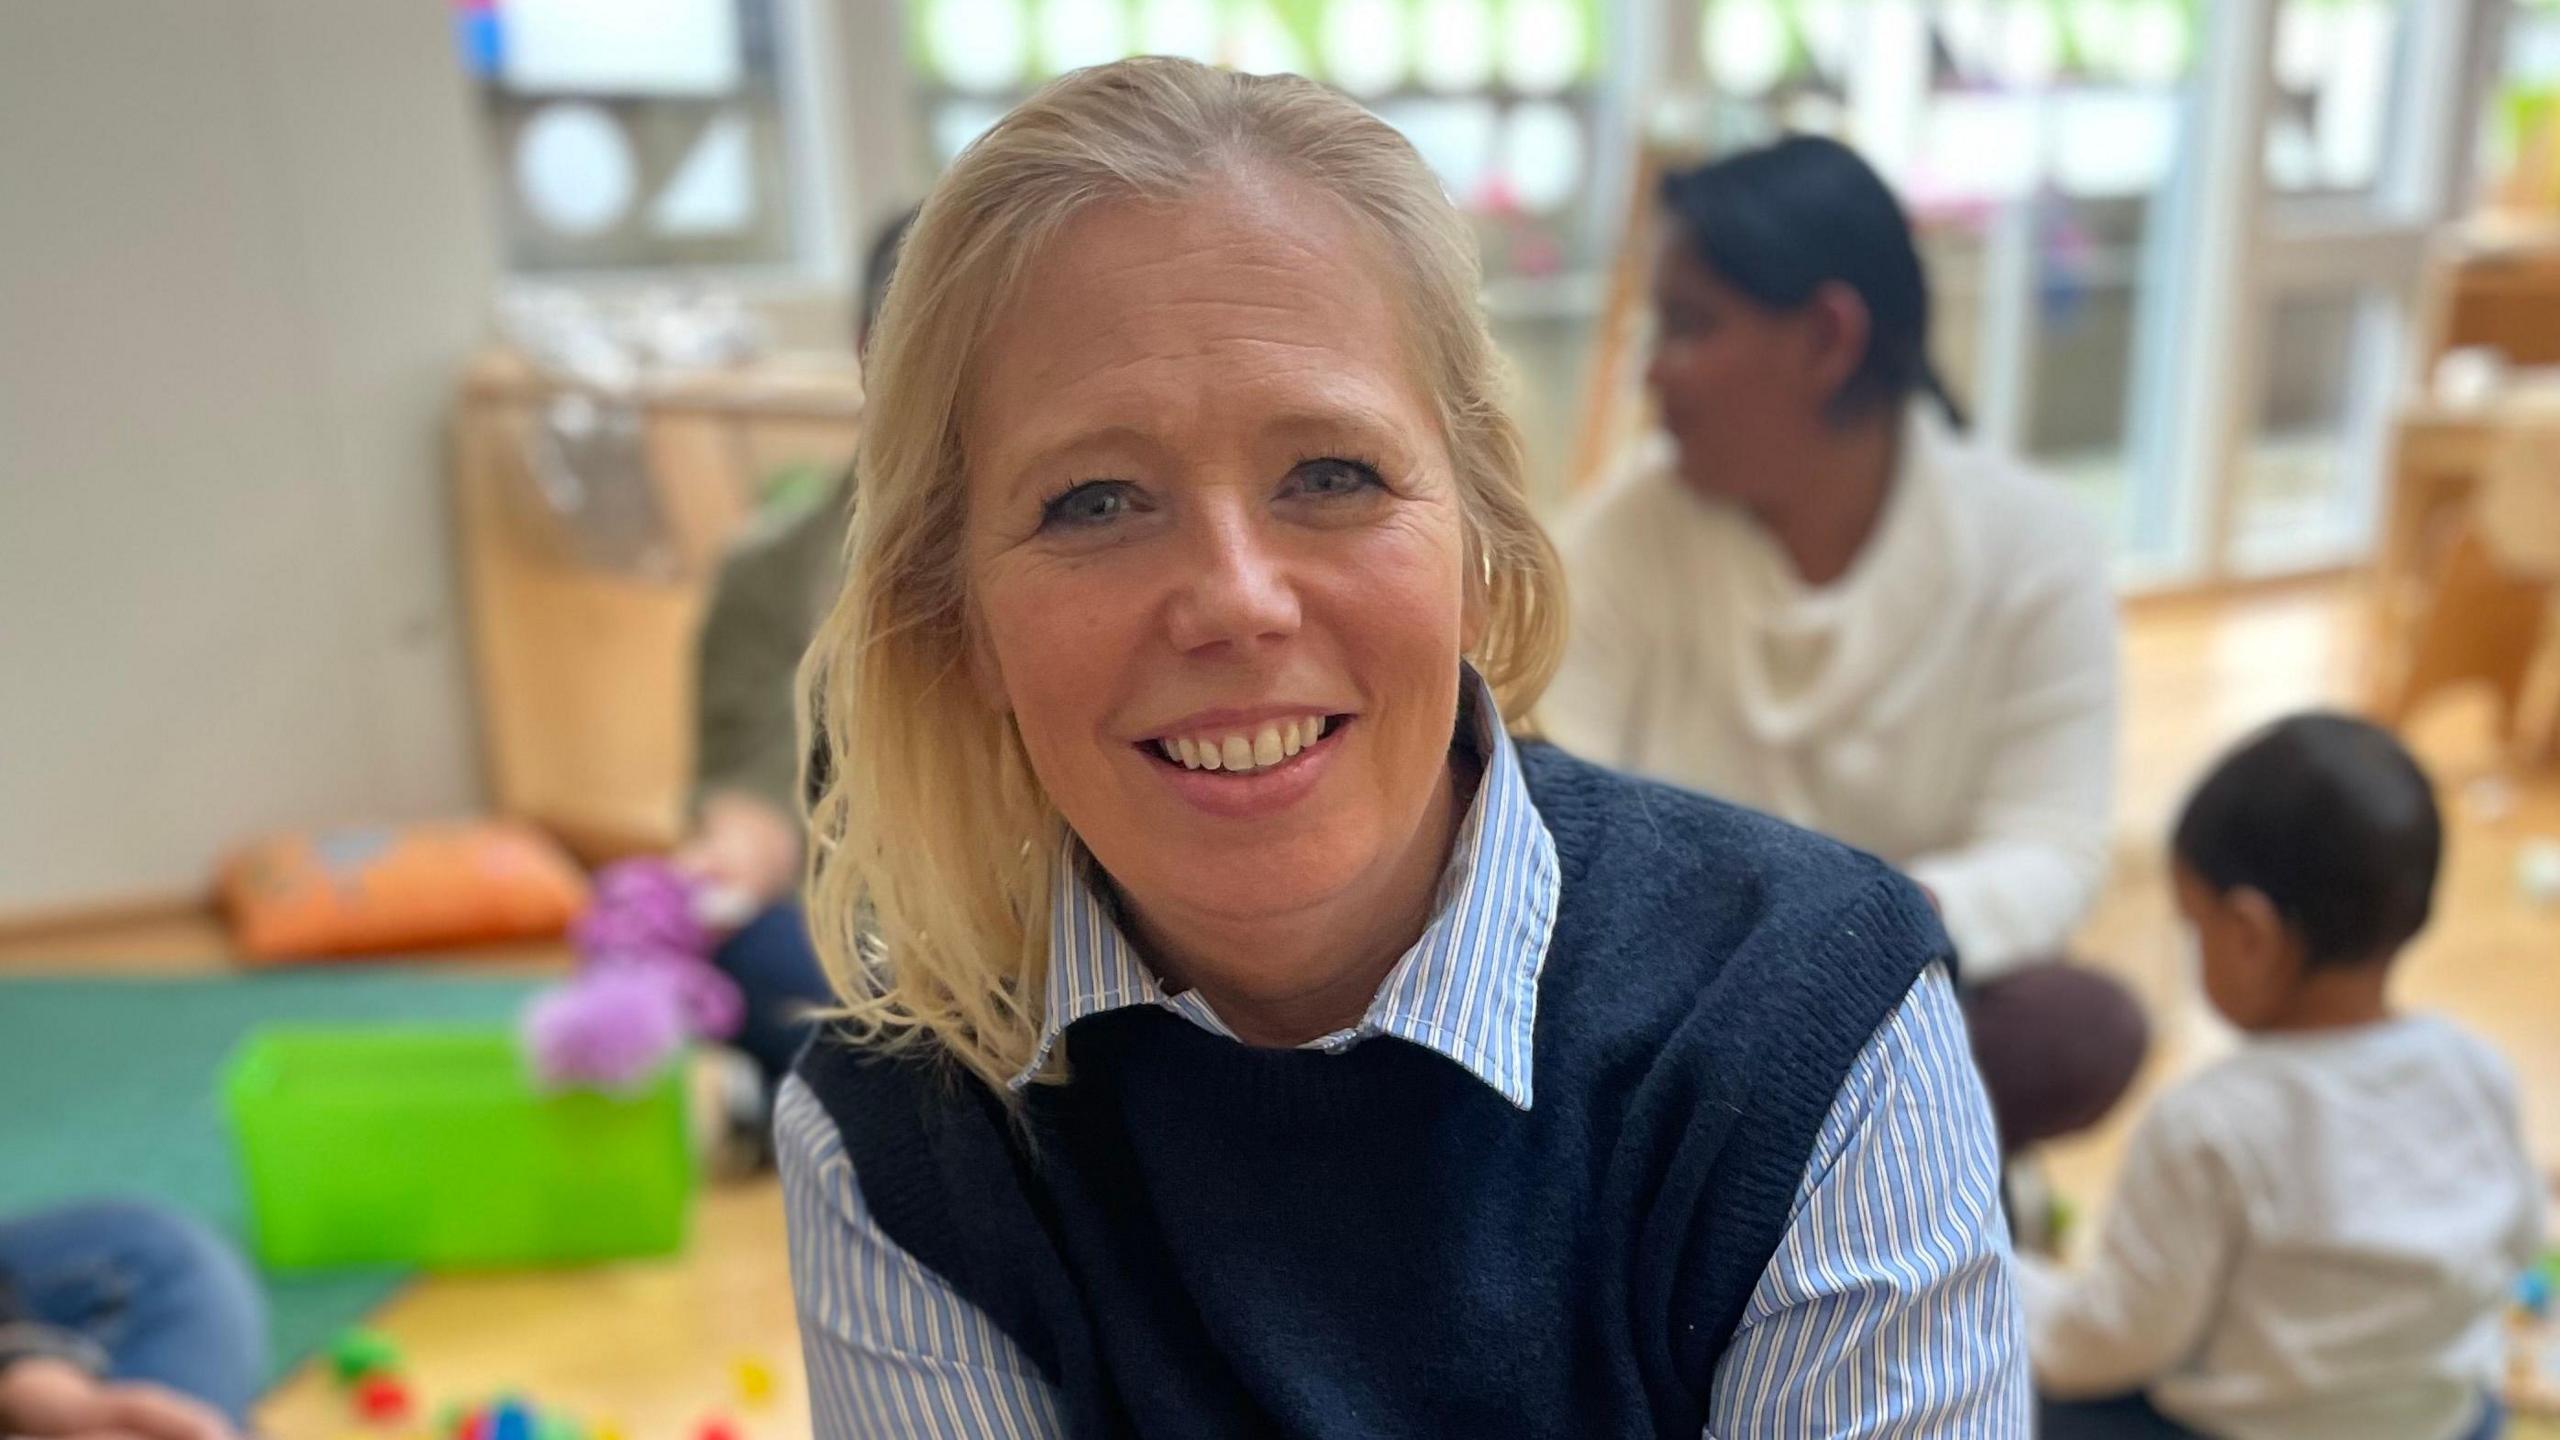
[(1638, 507), (2020, 516), (1718, 857), (1701, 937)]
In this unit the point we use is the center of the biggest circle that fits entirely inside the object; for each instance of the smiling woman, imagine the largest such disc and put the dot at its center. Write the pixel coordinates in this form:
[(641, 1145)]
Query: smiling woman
[(1244, 1033)]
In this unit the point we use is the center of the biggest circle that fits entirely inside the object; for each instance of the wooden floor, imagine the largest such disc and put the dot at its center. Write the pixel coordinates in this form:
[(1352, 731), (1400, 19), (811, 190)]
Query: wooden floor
[(652, 1348)]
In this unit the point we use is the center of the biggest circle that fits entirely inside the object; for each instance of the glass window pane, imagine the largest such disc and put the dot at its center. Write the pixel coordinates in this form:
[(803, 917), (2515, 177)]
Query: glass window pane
[(2296, 488), (634, 136), (2334, 62), (2048, 136), (2519, 169), (1502, 97)]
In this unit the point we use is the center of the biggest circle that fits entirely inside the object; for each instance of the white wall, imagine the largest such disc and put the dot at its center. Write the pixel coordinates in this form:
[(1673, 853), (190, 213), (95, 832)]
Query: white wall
[(242, 253)]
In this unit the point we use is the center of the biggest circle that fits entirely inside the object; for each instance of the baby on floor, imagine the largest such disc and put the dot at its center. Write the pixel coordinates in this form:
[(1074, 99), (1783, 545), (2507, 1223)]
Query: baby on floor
[(2315, 1237)]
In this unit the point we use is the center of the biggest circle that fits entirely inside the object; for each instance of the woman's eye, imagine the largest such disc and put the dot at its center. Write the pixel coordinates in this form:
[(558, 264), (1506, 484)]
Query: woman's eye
[(1323, 478), (1680, 322), (1095, 502)]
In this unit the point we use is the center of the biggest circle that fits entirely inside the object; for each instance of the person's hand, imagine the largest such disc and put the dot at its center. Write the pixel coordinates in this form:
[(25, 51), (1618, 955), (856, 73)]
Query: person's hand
[(56, 1400), (745, 845)]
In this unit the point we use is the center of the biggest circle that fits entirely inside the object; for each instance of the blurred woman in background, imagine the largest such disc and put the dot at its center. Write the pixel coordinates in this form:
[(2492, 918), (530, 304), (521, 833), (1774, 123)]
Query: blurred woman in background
[(1818, 601), (772, 591)]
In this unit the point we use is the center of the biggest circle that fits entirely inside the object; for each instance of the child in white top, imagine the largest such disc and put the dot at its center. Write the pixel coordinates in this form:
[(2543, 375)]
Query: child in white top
[(2315, 1237)]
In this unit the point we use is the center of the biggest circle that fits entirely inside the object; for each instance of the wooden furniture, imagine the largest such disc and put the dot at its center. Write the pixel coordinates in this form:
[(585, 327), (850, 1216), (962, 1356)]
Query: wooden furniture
[(1613, 404), (586, 670), (2494, 283), (2442, 612)]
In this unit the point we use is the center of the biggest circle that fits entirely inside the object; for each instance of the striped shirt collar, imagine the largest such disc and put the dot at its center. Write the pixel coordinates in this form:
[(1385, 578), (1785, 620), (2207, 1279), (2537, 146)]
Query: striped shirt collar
[(1467, 989)]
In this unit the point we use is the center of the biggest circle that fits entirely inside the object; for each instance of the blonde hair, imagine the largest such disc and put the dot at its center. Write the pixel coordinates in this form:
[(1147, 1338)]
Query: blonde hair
[(932, 843)]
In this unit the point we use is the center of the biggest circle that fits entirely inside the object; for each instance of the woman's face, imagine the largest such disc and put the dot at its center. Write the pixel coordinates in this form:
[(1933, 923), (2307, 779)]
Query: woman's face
[(1211, 514), (1743, 388)]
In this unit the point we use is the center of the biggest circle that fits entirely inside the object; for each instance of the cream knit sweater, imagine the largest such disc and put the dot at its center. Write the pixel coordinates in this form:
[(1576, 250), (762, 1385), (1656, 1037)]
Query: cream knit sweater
[(1949, 704)]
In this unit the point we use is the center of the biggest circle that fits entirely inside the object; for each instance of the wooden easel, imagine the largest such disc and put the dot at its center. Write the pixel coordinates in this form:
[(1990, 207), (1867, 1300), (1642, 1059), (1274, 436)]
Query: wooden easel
[(1613, 405)]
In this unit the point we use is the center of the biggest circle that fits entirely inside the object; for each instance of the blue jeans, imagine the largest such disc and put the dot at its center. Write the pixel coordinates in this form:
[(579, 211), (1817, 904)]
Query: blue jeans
[(778, 973), (2130, 1417), (165, 1298)]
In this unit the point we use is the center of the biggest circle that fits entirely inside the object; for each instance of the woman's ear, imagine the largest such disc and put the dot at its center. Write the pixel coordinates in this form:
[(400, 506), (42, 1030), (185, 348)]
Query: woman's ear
[(1837, 328)]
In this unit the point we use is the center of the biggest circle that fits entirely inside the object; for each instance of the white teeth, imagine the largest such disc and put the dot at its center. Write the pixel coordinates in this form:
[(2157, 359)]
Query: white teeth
[(1242, 754), (1318, 726)]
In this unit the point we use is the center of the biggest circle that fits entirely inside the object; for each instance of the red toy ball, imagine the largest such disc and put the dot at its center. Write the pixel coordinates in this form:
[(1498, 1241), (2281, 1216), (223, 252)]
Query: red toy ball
[(382, 1399), (475, 1426), (717, 1428)]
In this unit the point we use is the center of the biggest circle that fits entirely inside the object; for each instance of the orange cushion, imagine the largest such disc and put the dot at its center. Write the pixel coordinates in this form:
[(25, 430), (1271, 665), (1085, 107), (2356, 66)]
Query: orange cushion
[(413, 887)]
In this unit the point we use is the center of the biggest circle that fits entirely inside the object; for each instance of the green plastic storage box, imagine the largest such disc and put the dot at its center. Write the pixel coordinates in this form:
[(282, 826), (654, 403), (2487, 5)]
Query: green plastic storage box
[(430, 1147)]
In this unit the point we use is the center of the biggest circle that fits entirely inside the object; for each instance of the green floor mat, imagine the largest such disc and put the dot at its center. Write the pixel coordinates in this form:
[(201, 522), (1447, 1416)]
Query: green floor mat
[(111, 1087)]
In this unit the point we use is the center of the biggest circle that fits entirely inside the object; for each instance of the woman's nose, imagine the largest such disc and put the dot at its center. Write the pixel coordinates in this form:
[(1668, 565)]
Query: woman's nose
[(1657, 370), (1234, 588)]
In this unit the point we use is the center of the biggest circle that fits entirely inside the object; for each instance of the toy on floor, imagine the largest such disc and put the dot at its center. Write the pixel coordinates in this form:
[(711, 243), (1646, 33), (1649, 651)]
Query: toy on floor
[(367, 1366), (365, 1363), (2533, 1341), (431, 1146), (383, 1400), (356, 1354), (645, 984), (513, 1418), (331, 895), (510, 1420)]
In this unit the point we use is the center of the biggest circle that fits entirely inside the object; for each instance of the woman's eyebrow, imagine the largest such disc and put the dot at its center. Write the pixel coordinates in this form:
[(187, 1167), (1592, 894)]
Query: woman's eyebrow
[(1368, 425), (1044, 455)]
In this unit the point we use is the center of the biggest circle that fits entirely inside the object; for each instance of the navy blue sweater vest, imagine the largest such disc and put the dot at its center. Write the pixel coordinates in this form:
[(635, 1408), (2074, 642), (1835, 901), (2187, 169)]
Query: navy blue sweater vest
[(1193, 1238)]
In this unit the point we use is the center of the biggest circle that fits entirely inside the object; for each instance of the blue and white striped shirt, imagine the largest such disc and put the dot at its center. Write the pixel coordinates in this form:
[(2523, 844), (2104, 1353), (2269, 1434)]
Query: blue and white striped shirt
[(1888, 1308)]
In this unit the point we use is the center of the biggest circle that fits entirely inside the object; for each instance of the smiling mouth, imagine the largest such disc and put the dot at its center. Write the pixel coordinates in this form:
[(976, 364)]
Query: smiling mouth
[(1242, 753)]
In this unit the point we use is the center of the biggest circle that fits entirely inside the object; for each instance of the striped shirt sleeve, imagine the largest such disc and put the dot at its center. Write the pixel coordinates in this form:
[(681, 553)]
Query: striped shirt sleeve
[(892, 1349), (1890, 1308)]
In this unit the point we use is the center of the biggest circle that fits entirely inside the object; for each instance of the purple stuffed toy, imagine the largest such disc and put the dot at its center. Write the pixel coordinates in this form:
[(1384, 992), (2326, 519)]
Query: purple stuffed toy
[(645, 984)]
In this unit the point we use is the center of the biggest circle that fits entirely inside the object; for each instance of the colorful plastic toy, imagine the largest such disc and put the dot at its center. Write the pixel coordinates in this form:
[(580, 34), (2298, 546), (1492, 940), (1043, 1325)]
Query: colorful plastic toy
[(644, 987), (2539, 1286), (510, 1420), (755, 1381), (430, 1146), (382, 1399), (358, 1353), (716, 1428)]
